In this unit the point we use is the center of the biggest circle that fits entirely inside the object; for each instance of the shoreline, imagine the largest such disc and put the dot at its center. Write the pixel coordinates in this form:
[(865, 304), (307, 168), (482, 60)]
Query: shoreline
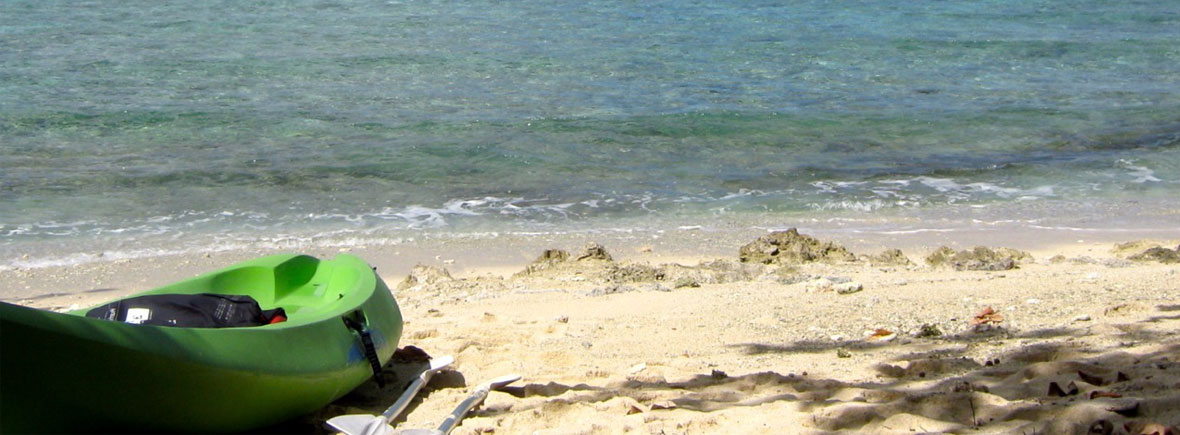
[(505, 254), (1028, 225)]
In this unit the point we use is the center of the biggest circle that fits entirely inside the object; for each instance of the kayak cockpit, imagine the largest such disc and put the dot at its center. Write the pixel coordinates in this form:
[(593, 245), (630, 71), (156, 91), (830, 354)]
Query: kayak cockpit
[(306, 288)]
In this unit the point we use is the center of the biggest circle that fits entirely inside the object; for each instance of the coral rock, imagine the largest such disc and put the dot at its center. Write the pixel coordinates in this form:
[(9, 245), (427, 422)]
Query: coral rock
[(979, 258), (790, 247)]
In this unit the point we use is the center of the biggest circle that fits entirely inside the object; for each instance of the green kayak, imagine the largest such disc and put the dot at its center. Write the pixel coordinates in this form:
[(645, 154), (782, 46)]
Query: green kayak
[(72, 373)]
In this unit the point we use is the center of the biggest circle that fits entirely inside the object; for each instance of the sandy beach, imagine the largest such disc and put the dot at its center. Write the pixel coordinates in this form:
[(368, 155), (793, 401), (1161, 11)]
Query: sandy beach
[(672, 335)]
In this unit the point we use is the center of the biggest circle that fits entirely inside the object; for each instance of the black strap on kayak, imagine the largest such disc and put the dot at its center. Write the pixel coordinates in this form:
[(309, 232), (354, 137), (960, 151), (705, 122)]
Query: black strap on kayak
[(370, 349)]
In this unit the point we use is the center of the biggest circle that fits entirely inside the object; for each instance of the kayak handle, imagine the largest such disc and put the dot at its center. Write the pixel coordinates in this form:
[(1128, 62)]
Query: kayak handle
[(367, 345)]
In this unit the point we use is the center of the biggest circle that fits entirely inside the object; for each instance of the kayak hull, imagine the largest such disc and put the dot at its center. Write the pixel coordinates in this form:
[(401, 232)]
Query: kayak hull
[(63, 372)]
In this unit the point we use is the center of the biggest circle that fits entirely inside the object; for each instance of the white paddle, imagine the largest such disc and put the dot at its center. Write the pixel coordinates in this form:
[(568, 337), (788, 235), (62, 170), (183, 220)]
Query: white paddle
[(365, 424), (477, 396)]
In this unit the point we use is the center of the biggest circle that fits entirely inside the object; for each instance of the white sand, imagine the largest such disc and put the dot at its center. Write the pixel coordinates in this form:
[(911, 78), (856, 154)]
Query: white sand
[(756, 355)]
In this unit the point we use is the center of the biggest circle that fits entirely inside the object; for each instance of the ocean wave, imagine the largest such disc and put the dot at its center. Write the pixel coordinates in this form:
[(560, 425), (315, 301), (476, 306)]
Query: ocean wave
[(862, 206), (1140, 174), (864, 196)]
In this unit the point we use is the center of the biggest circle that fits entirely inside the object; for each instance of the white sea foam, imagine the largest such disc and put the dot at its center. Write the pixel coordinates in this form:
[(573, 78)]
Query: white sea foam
[(1141, 174), (864, 206), (909, 231)]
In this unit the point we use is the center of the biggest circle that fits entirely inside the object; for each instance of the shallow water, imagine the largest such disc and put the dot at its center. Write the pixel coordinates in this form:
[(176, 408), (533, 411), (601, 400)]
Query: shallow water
[(139, 128)]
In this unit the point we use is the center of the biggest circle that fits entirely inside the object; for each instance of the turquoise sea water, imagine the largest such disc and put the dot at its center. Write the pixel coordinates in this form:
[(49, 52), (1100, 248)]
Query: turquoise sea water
[(137, 126)]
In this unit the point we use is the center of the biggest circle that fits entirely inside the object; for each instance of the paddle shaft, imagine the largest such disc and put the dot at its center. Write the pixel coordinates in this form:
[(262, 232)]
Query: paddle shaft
[(460, 411), (412, 390)]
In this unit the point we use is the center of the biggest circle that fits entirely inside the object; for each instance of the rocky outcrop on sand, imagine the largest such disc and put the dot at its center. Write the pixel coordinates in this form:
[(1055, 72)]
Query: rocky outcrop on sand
[(434, 285), (888, 258), (1160, 254), (716, 272), (424, 275), (1128, 249), (592, 257), (789, 247), (979, 258), (595, 265), (594, 251), (548, 259)]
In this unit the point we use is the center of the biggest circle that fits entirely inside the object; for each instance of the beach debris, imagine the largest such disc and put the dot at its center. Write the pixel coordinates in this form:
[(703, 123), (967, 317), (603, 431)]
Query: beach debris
[(685, 281), (1118, 309), (843, 353), (790, 247), (1160, 254), (928, 330), (633, 406), (978, 258), (882, 334), (831, 283), (637, 368), (848, 288), (889, 257), (819, 285), (1081, 318), (1098, 394), (563, 319), (1094, 380), (718, 375), (1056, 390), (987, 318)]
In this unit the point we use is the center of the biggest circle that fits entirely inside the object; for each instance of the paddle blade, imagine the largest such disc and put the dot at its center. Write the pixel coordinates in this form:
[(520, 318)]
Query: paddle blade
[(360, 424), (502, 381), (440, 362)]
